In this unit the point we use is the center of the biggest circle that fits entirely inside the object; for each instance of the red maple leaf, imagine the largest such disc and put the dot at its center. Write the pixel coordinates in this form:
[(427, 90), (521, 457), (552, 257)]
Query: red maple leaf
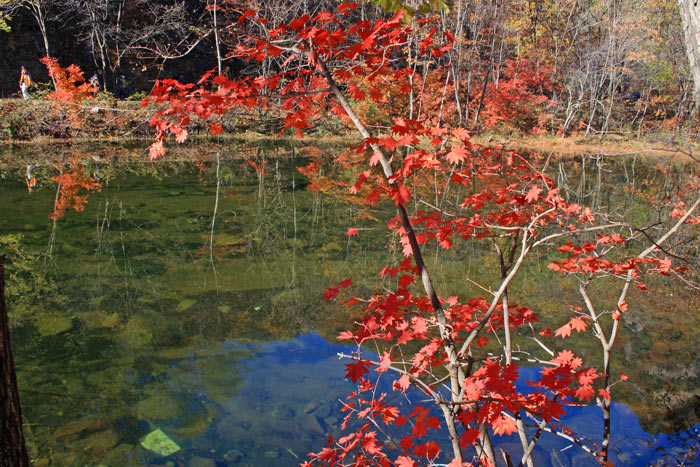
[(330, 293), (503, 425), (401, 195), (215, 129), (404, 461), (533, 194), (585, 392), (356, 370), (564, 331), (577, 324), (456, 155), (384, 362)]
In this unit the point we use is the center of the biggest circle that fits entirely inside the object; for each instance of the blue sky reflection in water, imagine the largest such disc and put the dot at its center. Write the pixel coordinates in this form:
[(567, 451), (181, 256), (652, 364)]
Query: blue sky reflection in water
[(289, 398), (133, 332)]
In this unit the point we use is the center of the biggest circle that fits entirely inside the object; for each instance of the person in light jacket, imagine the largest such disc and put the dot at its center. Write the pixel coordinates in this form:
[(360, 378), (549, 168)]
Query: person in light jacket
[(24, 82)]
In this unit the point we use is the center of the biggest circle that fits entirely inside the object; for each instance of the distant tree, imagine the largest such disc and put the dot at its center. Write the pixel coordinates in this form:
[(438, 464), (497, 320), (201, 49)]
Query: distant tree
[(116, 31), (690, 15), (39, 10)]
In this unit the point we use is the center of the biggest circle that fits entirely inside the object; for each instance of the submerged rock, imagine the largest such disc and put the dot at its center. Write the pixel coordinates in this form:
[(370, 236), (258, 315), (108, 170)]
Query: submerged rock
[(159, 407), (185, 304), (160, 443), (282, 412), (233, 456), (124, 454), (76, 426), (100, 441), (197, 461), (53, 324), (324, 410), (311, 406)]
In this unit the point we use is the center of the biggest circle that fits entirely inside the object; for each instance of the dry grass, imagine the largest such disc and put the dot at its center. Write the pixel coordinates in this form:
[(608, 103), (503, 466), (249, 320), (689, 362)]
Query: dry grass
[(611, 146)]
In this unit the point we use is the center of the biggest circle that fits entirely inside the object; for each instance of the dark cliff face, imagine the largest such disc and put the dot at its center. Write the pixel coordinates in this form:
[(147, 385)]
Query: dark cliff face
[(24, 46)]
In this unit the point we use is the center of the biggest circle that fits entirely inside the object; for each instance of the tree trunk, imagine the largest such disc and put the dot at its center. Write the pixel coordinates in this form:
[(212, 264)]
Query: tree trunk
[(690, 17), (13, 451)]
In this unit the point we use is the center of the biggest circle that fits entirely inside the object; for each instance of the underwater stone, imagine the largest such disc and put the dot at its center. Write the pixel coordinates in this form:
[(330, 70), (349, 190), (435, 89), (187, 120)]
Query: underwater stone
[(160, 443), (159, 407), (233, 456), (272, 454), (51, 325), (100, 441), (313, 424), (197, 461), (324, 410), (185, 304), (330, 421), (282, 412), (310, 407), (71, 428), (124, 454)]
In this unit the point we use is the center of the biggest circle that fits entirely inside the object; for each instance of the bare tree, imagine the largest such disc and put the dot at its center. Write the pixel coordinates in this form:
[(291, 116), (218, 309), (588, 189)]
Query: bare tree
[(690, 16), (37, 8)]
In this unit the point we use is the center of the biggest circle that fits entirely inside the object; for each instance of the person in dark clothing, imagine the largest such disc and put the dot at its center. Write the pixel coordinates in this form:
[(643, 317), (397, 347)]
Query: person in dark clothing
[(122, 91)]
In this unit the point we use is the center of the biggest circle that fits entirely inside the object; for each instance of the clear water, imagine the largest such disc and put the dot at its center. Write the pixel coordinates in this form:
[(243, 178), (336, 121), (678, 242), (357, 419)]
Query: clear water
[(127, 318)]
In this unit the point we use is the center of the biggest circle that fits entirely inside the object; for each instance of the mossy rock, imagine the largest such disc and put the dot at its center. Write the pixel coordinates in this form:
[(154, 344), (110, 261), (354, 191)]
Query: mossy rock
[(53, 324), (160, 443), (137, 331), (159, 407), (100, 441), (73, 427), (109, 321), (125, 454), (185, 304)]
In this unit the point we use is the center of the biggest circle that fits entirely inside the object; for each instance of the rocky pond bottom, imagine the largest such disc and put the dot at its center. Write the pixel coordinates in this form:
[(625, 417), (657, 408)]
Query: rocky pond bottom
[(282, 405)]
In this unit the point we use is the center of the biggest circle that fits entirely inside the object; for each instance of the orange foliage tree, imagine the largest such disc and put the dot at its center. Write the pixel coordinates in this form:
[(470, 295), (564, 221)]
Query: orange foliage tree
[(71, 88)]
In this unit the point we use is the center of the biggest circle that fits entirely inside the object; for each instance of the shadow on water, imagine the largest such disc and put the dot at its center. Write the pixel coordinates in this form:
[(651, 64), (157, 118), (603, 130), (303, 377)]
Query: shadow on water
[(137, 315)]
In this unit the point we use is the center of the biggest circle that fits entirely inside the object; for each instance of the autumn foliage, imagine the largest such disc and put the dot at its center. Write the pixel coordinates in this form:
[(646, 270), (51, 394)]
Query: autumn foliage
[(71, 87), (388, 80), (73, 184)]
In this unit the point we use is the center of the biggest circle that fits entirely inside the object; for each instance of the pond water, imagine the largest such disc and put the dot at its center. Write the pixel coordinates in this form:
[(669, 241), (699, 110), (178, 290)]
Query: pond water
[(141, 314)]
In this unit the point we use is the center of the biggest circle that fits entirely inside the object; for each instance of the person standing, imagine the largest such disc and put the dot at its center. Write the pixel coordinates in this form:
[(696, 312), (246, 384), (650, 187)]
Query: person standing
[(24, 82), (95, 85)]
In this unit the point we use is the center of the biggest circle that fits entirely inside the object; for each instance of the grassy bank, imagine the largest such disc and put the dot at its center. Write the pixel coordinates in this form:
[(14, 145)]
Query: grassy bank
[(106, 119)]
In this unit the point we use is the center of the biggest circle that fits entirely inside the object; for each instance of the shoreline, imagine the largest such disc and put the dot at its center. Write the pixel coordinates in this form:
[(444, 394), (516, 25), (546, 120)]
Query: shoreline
[(42, 123)]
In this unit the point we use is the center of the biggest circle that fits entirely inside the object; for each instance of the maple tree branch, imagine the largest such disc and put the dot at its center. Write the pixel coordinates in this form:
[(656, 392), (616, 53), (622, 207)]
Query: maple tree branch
[(416, 381), (646, 252), (534, 337), (454, 368), (524, 250), (568, 437)]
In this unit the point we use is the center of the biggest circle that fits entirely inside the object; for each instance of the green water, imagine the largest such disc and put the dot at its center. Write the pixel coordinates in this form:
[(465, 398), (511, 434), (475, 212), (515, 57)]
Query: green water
[(141, 313)]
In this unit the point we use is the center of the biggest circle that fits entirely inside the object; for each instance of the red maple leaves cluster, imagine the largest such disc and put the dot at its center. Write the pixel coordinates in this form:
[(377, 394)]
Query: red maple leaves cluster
[(457, 354)]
